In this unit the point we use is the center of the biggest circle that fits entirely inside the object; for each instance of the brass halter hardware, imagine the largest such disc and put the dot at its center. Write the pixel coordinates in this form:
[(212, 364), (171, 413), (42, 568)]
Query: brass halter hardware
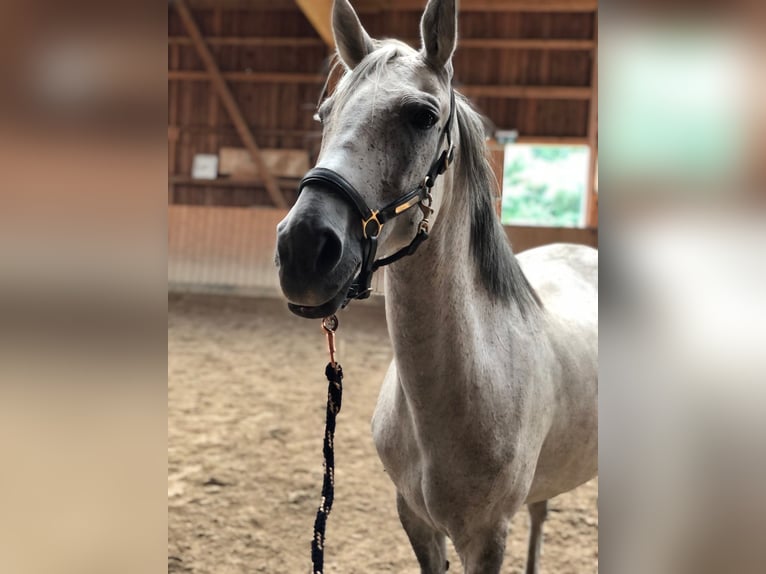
[(373, 217), (425, 207)]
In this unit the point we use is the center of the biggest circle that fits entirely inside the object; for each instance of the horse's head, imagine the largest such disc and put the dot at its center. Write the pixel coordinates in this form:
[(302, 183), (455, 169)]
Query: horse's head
[(384, 129)]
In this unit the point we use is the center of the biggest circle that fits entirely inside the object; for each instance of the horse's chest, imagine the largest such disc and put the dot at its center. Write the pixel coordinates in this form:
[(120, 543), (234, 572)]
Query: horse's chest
[(441, 467)]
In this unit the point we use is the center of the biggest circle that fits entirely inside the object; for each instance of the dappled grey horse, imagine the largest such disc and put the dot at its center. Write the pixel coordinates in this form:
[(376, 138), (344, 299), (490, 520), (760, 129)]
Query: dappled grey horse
[(490, 402)]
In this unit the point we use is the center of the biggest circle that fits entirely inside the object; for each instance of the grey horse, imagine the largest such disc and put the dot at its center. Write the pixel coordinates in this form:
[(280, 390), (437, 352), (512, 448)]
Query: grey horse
[(491, 400)]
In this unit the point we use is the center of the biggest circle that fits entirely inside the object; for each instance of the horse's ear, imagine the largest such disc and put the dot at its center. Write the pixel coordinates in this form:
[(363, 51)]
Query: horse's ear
[(352, 40), (438, 29)]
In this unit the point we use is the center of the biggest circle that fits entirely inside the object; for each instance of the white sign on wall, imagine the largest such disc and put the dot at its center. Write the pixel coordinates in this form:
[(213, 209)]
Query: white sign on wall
[(205, 166)]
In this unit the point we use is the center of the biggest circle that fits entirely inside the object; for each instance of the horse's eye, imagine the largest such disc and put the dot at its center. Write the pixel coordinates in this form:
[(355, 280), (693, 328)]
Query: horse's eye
[(424, 119)]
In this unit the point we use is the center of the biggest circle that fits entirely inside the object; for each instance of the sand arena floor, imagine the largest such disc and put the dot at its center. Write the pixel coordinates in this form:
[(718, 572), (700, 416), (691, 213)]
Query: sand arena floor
[(246, 400)]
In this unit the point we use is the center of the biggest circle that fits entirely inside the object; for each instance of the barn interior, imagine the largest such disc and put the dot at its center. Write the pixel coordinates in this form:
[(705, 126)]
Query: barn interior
[(246, 390), (244, 80)]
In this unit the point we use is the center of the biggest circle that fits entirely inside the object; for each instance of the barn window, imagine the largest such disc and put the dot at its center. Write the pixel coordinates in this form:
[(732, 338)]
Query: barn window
[(545, 185)]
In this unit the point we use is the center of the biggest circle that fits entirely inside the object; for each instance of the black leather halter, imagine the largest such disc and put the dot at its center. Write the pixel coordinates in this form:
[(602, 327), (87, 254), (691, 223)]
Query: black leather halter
[(373, 220)]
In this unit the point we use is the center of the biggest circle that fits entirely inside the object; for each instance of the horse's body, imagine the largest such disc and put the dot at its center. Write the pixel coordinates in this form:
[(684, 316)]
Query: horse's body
[(483, 409), (491, 400)]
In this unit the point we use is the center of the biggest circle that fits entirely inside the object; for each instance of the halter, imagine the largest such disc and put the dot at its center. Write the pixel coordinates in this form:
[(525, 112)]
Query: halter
[(373, 220)]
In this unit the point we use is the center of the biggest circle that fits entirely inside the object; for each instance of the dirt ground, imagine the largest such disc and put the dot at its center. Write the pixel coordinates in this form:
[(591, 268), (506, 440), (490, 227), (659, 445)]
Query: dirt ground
[(246, 402)]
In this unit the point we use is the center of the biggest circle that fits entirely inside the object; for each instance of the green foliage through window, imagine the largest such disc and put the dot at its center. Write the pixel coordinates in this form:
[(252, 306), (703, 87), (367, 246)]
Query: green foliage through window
[(545, 185)]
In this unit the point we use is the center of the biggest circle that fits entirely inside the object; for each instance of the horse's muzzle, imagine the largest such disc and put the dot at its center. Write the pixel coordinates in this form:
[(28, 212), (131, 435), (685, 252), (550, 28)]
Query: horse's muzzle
[(316, 265)]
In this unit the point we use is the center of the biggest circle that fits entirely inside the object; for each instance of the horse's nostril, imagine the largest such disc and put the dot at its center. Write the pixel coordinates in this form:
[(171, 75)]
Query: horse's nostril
[(329, 251)]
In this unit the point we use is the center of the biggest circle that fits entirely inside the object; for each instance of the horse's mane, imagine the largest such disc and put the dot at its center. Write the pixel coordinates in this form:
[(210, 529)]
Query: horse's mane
[(498, 269)]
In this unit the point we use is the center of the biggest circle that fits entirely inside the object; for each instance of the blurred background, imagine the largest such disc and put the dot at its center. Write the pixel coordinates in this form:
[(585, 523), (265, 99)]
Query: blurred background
[(124, 177)]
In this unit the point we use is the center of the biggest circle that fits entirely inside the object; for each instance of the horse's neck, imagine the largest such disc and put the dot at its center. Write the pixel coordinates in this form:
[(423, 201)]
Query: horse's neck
[(438, 312)]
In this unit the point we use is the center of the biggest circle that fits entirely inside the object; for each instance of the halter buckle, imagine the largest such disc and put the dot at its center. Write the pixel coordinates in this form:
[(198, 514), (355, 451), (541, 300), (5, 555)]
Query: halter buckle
[(365, 222)]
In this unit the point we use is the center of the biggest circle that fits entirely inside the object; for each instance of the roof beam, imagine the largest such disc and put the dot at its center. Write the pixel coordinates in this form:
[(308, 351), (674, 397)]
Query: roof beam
[(526, 43), (319, 13), (527, 92), (483, 5), (411, 5), (272, 41), (491, 43), (474, 91), (229, 103), (249, 77)]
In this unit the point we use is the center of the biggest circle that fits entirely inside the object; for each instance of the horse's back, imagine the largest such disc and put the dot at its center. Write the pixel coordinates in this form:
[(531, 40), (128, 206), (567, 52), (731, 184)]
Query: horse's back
[(547, 266), (565, 277)]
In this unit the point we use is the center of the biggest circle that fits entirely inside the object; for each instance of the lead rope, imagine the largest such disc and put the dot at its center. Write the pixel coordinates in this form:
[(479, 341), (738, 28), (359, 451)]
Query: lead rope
[(334, 374)]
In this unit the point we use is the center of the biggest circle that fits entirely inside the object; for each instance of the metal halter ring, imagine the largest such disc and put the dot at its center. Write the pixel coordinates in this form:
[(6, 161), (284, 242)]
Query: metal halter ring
[(365, 222)]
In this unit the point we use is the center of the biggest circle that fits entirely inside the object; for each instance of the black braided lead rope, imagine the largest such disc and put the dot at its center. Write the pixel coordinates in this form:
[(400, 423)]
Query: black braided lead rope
[(334, 374)]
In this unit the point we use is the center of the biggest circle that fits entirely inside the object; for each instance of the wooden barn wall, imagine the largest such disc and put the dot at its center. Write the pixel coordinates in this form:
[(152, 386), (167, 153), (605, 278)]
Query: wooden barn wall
[(280, 112), (221, 235)]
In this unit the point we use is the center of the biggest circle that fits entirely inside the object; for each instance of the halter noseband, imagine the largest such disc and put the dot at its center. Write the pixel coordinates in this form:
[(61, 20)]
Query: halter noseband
[(373, 221)]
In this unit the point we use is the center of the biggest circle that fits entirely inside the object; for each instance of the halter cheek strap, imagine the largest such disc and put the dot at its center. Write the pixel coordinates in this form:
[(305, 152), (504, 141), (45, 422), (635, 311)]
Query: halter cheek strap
[(373, 221)]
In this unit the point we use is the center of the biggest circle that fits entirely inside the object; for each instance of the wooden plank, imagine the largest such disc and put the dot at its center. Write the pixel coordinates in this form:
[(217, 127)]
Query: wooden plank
[(173, 135), (284, 182), (497, 161), (266, 132), (368, 6), (319, 13), (591, 197), (539, 92), (362, 6), (526, 237), (525, 44), (213, 102), (552, 140), (272, 41), (271, 5), (248, 77), (228, 101), (237, 163), (465, 43), (528, 92)]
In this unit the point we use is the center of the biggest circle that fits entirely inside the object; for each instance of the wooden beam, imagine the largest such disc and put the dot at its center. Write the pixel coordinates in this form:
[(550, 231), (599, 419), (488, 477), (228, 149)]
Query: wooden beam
[(484, 43), (288, 183), (552, 140), (319, 13), (228, 101), (213, 100), (591, 197), (525, 44), (520, 92), (173, 134), (270, 5), (267, 132), (248, 77), (483, 5), (527, 92), (367, 6), (272, 41)]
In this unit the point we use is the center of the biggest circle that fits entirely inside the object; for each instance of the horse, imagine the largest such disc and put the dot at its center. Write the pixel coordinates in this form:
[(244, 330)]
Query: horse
[(490, 402)]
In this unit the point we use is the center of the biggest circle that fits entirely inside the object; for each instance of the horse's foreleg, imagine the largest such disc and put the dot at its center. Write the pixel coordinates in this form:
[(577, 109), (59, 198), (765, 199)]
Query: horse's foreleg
[(429, 545), (537, 513), (483, 554)]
